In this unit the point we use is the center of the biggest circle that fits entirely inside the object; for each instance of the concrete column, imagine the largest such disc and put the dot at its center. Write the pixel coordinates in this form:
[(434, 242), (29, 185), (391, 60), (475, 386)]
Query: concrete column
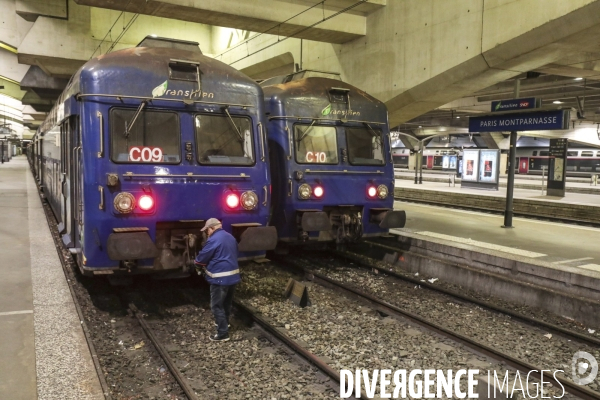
[(412, 162)]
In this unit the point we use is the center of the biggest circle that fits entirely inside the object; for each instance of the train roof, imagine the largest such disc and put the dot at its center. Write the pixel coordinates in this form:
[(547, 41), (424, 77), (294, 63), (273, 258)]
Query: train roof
[(164, 72), (322, 98)]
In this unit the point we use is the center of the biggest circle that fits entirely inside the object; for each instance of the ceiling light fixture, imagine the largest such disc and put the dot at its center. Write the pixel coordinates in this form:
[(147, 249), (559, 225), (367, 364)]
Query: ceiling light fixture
[(578, 79), (557, 102)]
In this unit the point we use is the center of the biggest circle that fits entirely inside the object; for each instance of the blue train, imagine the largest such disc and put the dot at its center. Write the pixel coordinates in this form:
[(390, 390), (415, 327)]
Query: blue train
[(331, 163), (143, 146)]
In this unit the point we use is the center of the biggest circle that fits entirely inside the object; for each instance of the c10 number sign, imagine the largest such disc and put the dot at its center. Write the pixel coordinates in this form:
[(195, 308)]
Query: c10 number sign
[(316, 157), (145, 154)]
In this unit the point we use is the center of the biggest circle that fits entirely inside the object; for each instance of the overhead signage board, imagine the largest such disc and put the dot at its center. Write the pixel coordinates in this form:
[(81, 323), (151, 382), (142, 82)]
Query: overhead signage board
[(558, 147), (470, 165), (530, 121), (515, 104)]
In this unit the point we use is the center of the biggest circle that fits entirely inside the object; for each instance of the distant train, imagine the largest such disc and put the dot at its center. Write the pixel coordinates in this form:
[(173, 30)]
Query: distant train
[(530, 160), (142, 147), (580, 162), (432, 158), (331, 165)]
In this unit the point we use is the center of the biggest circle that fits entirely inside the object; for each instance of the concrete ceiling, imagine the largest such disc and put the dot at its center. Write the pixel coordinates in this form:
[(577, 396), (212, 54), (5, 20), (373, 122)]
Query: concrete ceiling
[(255, 16)]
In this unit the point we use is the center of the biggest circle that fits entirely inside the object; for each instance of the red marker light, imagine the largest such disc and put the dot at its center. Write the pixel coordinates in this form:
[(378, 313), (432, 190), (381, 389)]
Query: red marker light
[(232, 200), (146, 202), (318, 191), (372, 191)]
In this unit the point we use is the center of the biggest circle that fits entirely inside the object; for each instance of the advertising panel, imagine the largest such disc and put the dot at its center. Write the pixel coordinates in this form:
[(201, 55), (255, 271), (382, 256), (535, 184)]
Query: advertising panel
[(452, 162), (446, 162), (470, 165), (488, 163)]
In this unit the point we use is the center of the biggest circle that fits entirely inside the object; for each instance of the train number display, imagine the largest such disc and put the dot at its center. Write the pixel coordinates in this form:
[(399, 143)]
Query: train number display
[(316, 157), (145, 154)]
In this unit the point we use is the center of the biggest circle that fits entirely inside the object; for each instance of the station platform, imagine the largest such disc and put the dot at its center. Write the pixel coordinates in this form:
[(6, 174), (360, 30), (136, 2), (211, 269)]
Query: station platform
[(555, 265), (577, 185), (574, 207), (43, 351)]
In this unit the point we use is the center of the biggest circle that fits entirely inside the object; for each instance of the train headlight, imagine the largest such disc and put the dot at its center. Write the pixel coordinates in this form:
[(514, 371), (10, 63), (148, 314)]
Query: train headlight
[(319, 191), (124, 202), (232, 201), (382, 191), (249, 200), (372, 191), (304, 191), (146, 202)]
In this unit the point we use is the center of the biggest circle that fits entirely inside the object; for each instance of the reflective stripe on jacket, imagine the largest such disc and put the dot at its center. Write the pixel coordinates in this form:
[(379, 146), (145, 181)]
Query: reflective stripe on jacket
[(219, 255)]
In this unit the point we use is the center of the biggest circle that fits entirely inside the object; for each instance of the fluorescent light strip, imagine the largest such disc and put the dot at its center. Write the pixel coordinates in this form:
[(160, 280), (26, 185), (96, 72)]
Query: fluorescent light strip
[(8, 47)]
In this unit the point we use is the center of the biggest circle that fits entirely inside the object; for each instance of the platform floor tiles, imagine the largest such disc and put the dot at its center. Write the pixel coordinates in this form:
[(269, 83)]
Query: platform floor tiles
[(557, 243), (43, 353)]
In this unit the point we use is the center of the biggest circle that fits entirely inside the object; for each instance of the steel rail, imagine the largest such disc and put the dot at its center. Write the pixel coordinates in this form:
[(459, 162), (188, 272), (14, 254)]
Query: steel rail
[(312, 358), (592, 341), (568, 385), (165, 355)]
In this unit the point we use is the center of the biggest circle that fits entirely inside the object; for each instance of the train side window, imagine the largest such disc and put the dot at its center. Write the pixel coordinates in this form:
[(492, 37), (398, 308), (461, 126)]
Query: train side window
[(572, 153), (315, 144), (365, 146), (534, 153), (224, 140), (157, 131), (544, 153), (587, 154)]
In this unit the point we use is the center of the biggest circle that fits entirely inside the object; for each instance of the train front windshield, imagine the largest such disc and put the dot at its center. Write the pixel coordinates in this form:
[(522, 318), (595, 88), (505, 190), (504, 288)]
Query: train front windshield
[(316, 144), (224, 140), (154, 137), (365, 146)]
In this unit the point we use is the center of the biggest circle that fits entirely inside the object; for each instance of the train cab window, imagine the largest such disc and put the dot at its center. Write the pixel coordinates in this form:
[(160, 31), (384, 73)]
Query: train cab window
[(315, 144), (587, 154), (154, 137), (535, 153), (365, 146), (224, 140)]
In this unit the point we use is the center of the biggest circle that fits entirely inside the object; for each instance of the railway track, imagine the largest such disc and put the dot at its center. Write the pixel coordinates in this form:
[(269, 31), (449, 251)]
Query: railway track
[(72, 278), (590, 340), (477, 346), (124, 301)]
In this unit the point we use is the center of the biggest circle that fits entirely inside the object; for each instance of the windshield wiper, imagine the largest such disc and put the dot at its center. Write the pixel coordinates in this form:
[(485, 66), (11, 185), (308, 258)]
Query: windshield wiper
[(233, 123), (128, 126), (371, 129), (375, 134), (307, 130)]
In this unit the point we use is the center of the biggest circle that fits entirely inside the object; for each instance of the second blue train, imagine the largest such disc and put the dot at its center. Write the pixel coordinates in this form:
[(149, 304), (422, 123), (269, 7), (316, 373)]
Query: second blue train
[(331, 165)]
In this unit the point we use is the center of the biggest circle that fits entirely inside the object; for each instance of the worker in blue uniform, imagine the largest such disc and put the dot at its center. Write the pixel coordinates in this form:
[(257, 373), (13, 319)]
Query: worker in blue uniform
[(219, 257)]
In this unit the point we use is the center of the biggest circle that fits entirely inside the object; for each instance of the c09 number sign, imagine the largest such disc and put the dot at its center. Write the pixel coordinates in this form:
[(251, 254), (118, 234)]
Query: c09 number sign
[(316, 157), (145, 154)]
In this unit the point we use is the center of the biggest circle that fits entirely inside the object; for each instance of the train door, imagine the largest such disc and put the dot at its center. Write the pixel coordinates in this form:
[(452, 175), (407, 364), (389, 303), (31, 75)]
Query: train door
[(429, 162), (76, 186), (67, 178), (523, 165), (40, 160)]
